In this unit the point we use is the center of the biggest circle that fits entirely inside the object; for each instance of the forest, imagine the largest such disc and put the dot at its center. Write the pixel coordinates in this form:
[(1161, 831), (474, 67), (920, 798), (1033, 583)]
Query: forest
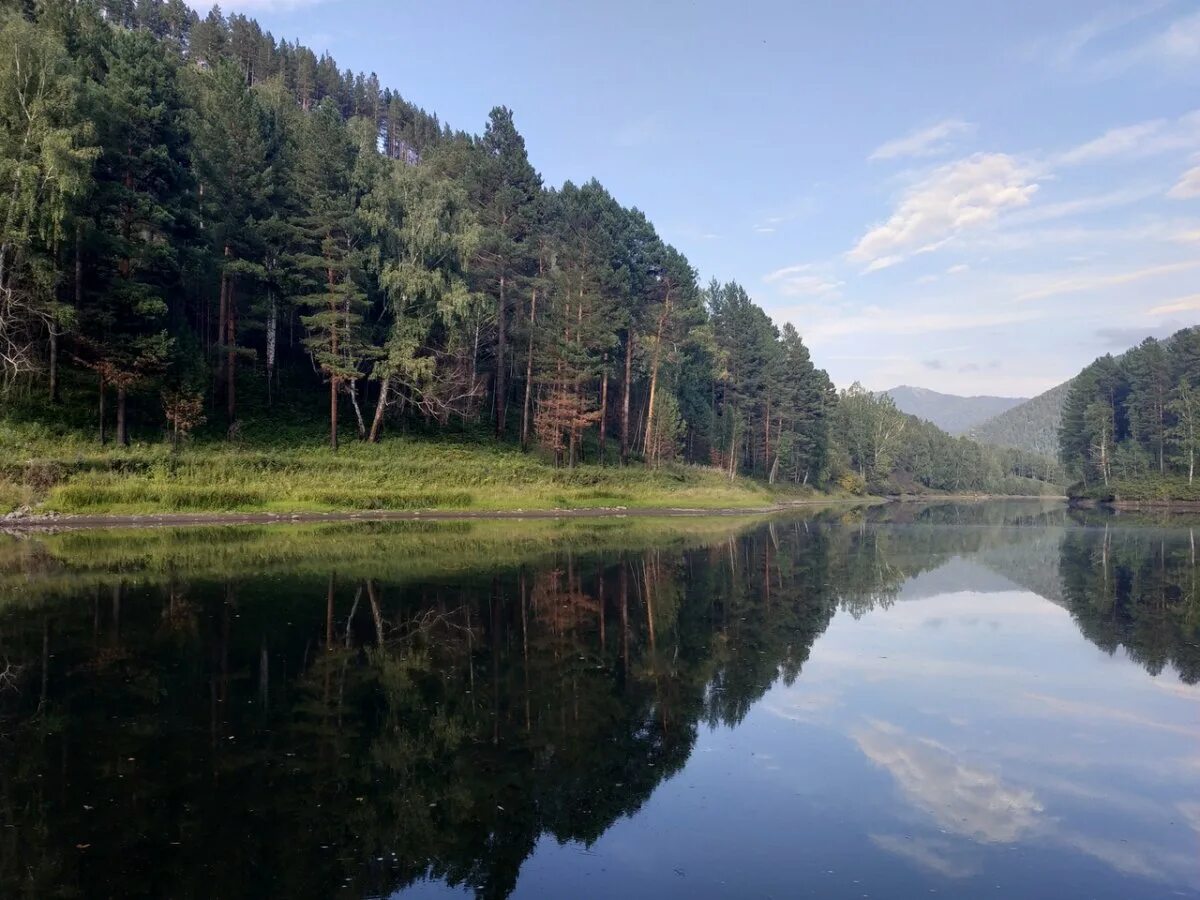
[(1131, 424), (211, 236)]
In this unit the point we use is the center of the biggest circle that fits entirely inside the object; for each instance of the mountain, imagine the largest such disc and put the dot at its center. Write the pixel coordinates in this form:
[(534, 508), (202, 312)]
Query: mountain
[(1032, 426), (948, 412)]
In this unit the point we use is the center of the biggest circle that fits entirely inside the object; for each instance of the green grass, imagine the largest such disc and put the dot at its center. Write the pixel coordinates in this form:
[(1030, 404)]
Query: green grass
[(66, 474), (1146, 489)]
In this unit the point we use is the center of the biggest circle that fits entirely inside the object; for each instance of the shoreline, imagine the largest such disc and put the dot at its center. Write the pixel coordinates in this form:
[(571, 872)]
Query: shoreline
[(157, 520), (73, 521)]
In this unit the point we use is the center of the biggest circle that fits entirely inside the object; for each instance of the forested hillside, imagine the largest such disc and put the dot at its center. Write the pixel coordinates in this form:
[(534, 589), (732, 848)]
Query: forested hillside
[(213, 236), (1131, 424), (951, 413), (1032, 426)]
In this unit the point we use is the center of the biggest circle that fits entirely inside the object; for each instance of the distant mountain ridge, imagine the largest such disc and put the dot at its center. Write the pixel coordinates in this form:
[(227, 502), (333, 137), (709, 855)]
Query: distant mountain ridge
[(1031, 426), (949, 412)]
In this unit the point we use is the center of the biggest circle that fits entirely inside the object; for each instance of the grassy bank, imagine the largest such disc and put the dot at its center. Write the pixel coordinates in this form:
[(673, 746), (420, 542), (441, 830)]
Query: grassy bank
[(1148, 489), (76, 477)]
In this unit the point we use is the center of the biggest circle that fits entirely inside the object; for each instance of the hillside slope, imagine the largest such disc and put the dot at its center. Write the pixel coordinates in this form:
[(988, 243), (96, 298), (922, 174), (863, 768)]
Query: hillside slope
[(949, 412), (1032, 426)]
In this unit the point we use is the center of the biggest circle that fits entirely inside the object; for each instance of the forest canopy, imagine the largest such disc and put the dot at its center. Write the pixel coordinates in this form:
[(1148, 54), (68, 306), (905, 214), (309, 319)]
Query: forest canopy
[(208, 229)]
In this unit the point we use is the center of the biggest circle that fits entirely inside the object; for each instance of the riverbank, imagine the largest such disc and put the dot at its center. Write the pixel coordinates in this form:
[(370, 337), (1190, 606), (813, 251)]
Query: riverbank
[(399, 477), (1144, 492)]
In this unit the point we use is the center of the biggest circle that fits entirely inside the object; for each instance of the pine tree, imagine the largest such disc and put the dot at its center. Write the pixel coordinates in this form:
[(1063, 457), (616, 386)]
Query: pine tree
[(235, 166), (144, 219), (505, 190), (333, 257)]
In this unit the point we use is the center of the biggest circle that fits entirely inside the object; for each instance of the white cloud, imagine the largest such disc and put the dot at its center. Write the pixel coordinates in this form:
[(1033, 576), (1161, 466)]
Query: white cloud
[(1179, 304), (1082, 206), (1136, 141), (1057, 285), (1065, 52), (876, 320), (956, 197), (802, 281), (251, 6), (1096, 48), (1188, 187), (931, 141), (958, 269), (1177, 44)]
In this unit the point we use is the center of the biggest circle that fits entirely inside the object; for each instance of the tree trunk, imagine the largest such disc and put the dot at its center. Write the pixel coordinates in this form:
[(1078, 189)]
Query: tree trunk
[(733, 452), (230, 356), (272, 328), (628, 387), (603, 407), (352, 390), (103, 433), (501, 398), (527, 406), (53, 363), (658, 339), (122, 430), (380, 406), (222, 326), (333, 404)]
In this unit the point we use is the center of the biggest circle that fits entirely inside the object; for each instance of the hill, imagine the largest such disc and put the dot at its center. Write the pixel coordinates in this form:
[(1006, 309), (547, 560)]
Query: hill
[(949, 412), (1032, 426)]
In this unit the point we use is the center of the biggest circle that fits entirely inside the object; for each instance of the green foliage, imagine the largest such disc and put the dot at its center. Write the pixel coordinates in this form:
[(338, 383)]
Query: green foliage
[(1130, 423), (264, 232), (1031, 427)]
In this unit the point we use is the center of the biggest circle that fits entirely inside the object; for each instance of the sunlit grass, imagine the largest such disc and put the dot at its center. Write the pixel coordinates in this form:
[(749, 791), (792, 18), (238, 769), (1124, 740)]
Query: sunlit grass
[(66, 475)]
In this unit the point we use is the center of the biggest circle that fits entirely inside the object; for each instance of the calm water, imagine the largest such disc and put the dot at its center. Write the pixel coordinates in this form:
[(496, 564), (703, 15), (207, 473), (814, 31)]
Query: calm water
[(994, 700)]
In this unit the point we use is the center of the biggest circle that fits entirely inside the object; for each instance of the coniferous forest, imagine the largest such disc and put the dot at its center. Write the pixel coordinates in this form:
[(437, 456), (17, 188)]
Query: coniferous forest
[(210, 235), (1131, 424)]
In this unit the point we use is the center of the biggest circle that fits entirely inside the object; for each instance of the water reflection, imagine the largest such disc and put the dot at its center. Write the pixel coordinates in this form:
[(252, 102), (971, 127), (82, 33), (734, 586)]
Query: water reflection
[(351, 710)]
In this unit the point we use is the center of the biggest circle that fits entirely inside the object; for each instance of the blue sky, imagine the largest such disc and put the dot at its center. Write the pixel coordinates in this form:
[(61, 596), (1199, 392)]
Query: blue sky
[(971, 196)]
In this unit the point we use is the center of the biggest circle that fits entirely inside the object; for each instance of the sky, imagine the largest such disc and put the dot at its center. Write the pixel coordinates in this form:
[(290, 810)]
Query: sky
[(977, 197)]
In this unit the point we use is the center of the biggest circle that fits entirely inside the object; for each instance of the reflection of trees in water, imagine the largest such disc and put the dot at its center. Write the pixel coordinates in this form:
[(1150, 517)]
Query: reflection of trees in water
[(337, 728), (1136, 588)]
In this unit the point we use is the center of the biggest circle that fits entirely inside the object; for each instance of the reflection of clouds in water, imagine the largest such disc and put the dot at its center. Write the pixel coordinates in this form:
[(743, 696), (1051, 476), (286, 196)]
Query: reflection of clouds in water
[(972, 803), (934, 854), (963, 799), (1178, 689), (799, 705), (1143, 860), (1190, 810), (1059, 706)]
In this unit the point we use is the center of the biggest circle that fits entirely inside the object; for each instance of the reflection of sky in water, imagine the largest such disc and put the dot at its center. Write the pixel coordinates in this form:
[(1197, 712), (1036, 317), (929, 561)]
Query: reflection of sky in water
[(961, 743)]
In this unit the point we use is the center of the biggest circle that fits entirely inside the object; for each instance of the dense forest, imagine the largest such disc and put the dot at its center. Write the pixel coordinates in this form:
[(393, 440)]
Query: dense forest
[(206, 229), (1032, 426), (1131, 424)]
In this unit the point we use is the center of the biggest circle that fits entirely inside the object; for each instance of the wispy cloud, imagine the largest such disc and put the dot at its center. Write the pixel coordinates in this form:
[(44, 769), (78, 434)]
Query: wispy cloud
[(1123, 37), (1136, 141), (956, 197), (251, 6), (931, 141), (1054, 286), (1066, 51), (1178, 305), (876, 320), (802, 281), (1188, 186)]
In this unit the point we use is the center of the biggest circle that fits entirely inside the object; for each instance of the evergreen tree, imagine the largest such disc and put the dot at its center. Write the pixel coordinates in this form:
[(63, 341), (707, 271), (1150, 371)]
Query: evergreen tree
[(333, 256), (144, 219)]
